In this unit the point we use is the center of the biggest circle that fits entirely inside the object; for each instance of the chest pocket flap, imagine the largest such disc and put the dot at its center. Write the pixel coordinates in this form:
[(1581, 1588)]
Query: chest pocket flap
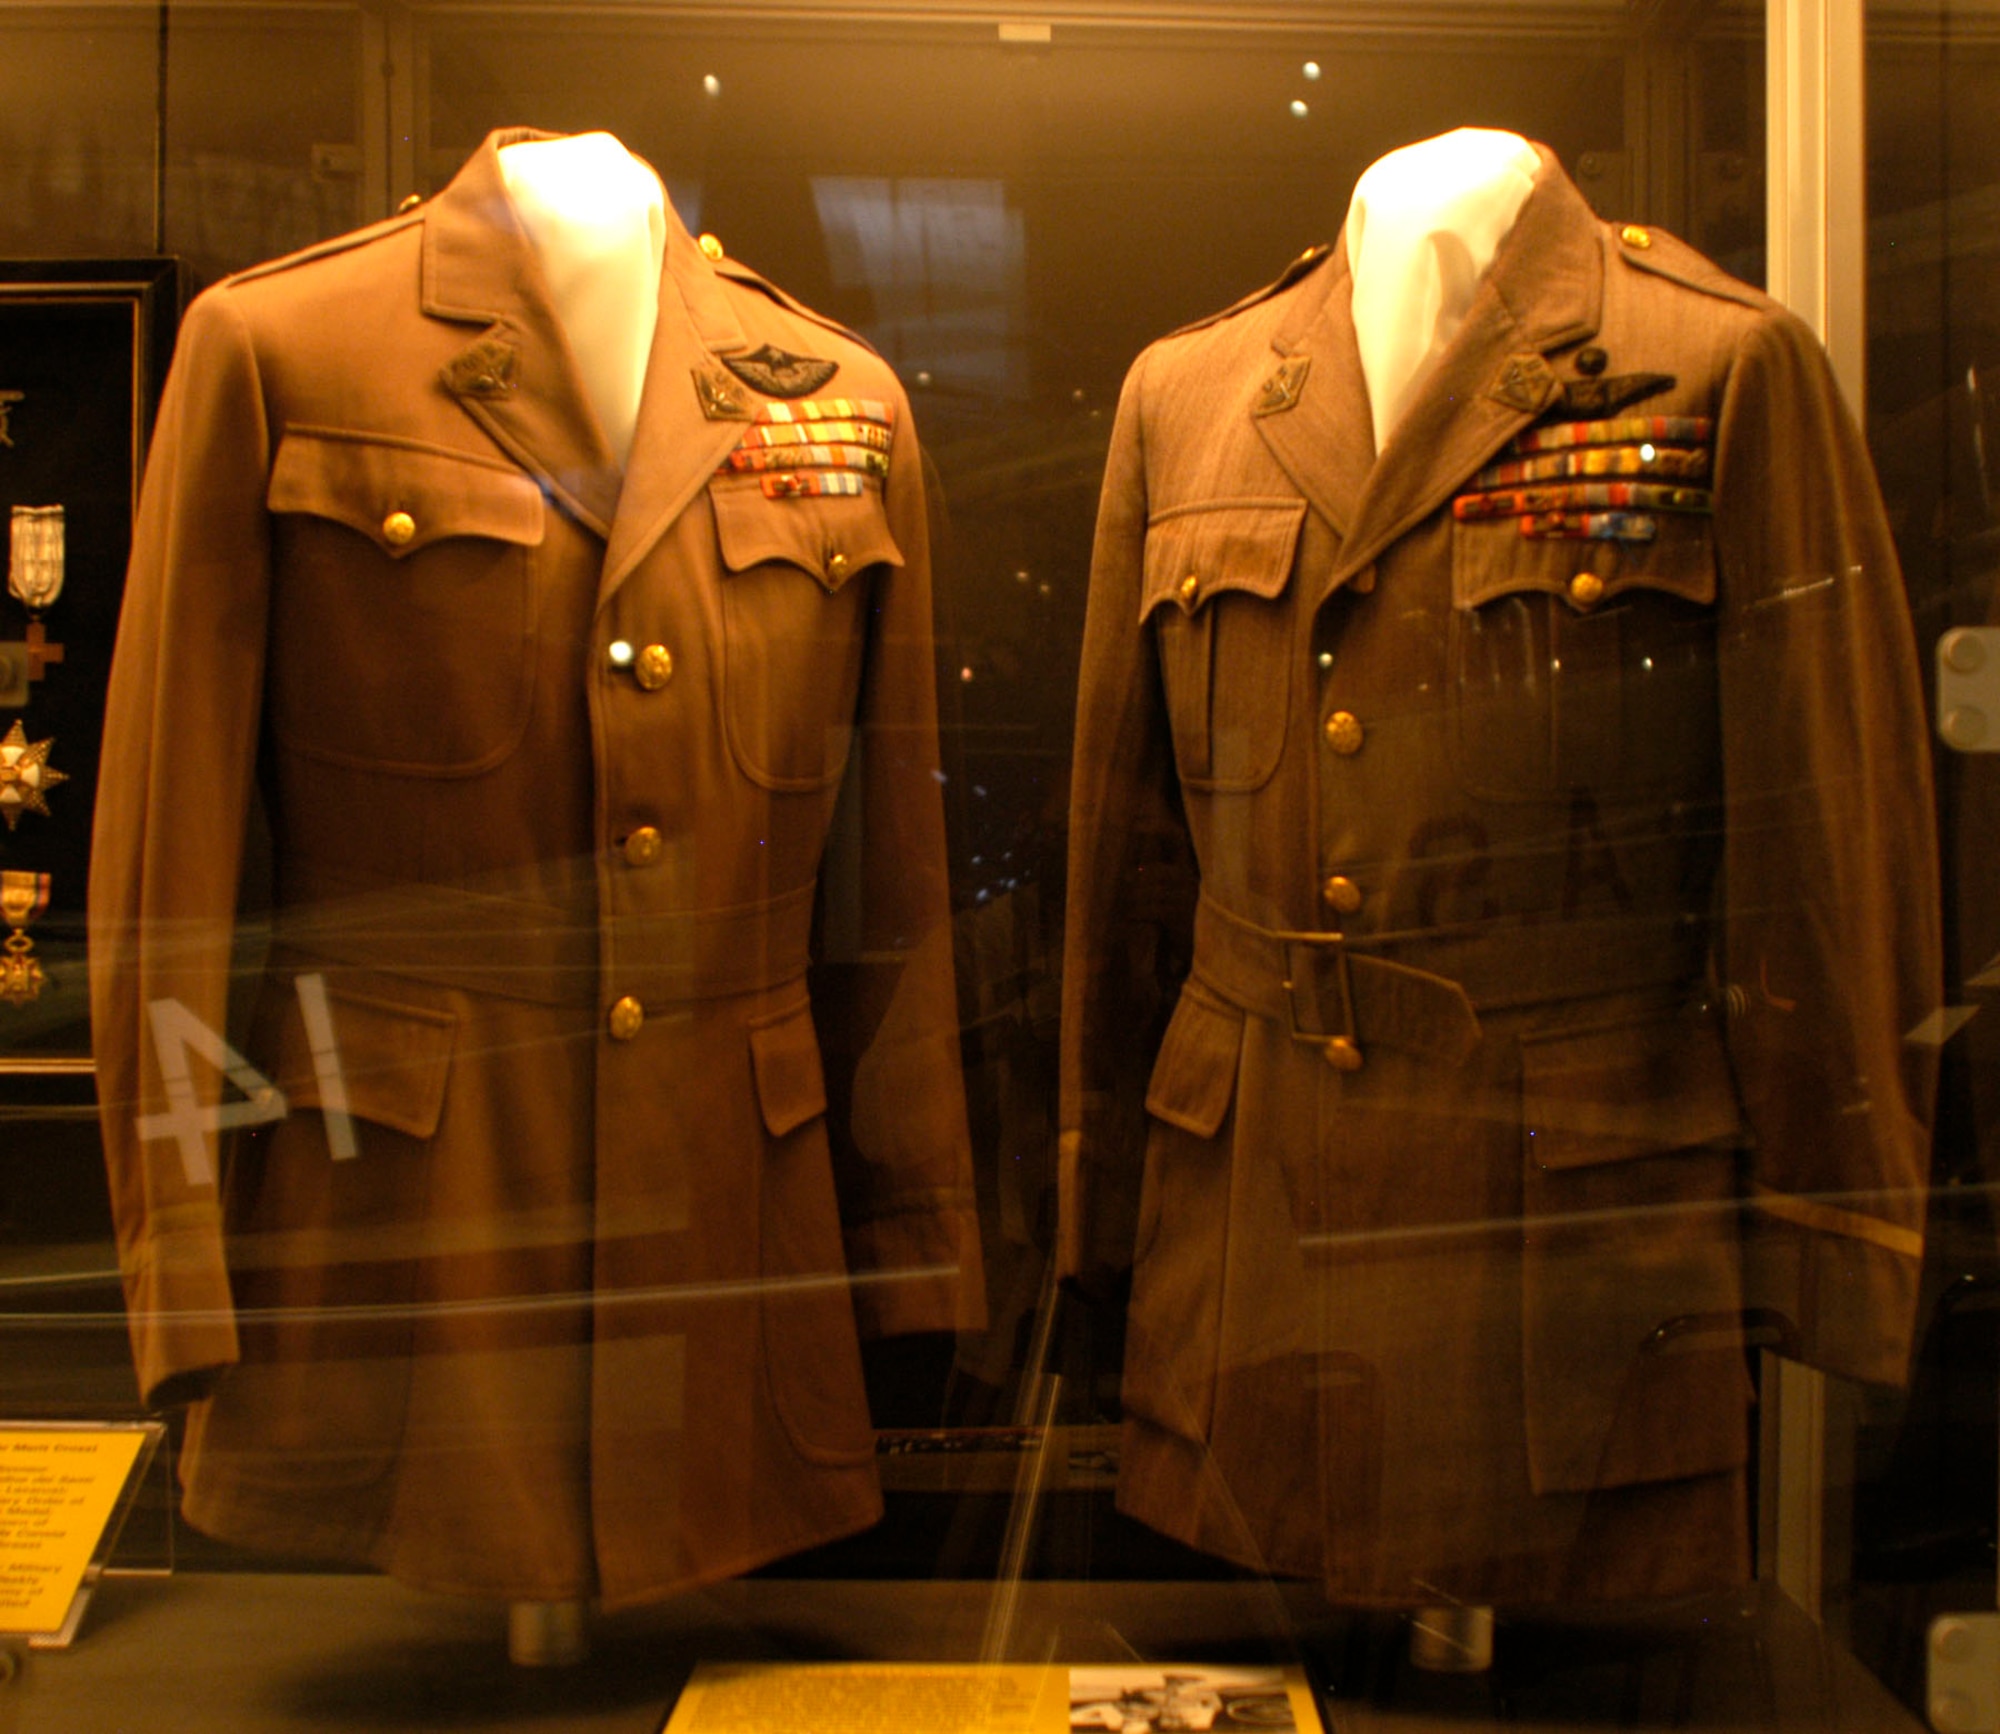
[(401, 495), (1196, 553), (831, 537), (1215, 577)]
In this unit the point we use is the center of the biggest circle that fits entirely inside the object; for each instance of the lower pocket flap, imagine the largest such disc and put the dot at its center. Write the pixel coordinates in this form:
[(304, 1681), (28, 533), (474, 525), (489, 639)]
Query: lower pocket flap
[(1612, 1093), (1195, 1075), (791, 1087), (370, 1052)]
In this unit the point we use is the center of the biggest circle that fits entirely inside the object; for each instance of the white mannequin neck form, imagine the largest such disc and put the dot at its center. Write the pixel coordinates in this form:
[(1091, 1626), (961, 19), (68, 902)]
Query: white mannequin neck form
[(1422, 228), (597, 219)]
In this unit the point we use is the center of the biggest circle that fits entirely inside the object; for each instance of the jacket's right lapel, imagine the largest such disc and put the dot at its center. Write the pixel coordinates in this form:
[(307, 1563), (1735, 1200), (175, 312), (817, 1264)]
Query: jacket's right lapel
[(1312, 408), (517, 378)]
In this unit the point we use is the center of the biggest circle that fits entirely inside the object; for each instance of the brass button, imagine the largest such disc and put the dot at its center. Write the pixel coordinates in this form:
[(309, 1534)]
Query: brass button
[(399, 529), (410, 203), (1586, 590), (654, 668), (836, 566), (1344, 733), (643, 847), (626, 1018), (1342, 894), (1190, 588), (1634, 236), (1342, 1055), (710, 247)]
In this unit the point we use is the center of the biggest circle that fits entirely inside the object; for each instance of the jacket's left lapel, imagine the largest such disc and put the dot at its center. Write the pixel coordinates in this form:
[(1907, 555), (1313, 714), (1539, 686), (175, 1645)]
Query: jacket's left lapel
[(692, 412), (1544, 289)]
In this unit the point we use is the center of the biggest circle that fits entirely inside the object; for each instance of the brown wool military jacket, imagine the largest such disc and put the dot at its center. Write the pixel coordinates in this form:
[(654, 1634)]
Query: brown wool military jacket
[(602, 1076), (1559, 892)]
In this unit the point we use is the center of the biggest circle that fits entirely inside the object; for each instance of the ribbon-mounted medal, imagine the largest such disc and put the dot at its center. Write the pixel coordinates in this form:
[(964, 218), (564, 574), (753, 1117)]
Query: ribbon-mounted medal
[(23, 897), (35, 556)]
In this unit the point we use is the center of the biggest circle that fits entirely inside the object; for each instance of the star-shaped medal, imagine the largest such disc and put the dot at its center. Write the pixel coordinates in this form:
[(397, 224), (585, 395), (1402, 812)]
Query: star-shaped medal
[(25, 774)]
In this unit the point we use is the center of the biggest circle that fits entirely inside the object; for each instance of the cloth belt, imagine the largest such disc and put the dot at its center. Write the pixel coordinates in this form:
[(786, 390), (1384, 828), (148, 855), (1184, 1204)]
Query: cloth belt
[(1322, 985), (493, 942)]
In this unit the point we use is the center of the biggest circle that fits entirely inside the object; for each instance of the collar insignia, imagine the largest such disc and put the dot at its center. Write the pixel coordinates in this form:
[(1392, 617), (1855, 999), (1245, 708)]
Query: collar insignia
[(1598, 397), (721, 397), (778, 373), (1283, 388), (487, 369), (1526, 383)]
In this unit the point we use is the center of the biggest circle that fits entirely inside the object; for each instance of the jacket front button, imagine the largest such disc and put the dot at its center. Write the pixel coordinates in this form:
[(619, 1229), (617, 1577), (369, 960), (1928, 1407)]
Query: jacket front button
[(1344, 733), (1586, 590), (626, 1018), (399, 529), (643, 847), (1190, 588), (654, 668), (1342, 1055), (1342, 895)]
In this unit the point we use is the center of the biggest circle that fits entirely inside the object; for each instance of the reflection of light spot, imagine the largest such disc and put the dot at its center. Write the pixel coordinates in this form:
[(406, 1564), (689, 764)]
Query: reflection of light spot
[(1556, 667), (1310, 69), (923, 376), (712, 85), (1299, 108), (1647, 454), (1021, 577), (965, 674), (1646, 662)]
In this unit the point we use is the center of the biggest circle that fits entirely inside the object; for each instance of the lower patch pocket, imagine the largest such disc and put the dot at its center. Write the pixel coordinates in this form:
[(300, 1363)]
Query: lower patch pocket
[(1633, 1366)]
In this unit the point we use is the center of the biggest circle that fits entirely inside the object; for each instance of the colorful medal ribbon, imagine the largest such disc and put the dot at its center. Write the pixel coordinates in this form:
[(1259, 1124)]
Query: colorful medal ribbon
[(23, 897), (816, 447)]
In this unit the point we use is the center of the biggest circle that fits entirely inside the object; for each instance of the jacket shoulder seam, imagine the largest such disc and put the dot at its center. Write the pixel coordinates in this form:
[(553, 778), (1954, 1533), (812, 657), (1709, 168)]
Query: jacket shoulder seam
[(326, 249)]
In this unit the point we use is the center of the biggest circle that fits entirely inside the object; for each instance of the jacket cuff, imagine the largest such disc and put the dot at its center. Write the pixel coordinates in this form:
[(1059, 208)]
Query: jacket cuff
[(918, 1270), (1846, 1282), (180, 1313)]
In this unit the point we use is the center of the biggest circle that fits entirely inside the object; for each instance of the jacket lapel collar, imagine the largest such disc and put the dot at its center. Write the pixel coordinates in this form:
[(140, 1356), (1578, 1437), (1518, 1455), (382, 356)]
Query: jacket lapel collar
[(1544, 290), (1312, 409), (517, 379), (692, 411)]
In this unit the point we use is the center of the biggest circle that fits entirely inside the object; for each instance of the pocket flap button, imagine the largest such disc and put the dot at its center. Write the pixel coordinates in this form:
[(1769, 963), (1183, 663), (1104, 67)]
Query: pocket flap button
[(399, 529)]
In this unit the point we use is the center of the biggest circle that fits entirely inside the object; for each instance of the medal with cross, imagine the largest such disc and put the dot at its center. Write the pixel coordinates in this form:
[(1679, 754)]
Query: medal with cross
[(35, 570)]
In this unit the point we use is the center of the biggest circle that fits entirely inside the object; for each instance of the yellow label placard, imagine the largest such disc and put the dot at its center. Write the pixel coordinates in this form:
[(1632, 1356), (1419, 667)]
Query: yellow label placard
[(58, 1489), (941, 1698)]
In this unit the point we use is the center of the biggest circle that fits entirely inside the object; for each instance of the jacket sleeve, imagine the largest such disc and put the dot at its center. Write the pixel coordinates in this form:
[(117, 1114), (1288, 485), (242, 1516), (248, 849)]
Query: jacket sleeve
[(1128, 911), (1831, 954), (174, 786), (885, 1000)]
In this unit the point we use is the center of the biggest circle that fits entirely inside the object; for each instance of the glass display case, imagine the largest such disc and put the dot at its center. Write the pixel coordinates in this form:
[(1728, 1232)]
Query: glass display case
[(924, 834)]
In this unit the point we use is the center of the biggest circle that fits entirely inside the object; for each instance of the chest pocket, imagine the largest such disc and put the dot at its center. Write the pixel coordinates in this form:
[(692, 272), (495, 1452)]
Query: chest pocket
[(1215, 579), (1584, 665), (794, 622), (404, 604)]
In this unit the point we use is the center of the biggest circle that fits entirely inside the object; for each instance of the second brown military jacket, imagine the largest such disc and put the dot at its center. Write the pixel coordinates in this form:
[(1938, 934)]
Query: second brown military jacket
[(601, 1078), (1554, 900)]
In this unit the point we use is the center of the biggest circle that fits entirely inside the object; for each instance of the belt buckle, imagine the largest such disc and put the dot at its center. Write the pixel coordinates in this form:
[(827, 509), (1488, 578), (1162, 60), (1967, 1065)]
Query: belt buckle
[(1316, 971)]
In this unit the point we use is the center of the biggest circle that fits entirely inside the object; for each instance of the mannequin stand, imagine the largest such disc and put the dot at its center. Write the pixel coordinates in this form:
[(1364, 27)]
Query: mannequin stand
[(547, 1634), (1452, 1640)]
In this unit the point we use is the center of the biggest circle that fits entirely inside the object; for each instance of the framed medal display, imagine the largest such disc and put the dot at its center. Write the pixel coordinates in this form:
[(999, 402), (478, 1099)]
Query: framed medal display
[(83, 346)]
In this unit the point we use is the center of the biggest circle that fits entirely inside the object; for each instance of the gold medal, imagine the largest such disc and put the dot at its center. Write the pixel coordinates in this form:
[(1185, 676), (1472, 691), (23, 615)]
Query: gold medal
[(26, 775), (35, 556), (23, 896)]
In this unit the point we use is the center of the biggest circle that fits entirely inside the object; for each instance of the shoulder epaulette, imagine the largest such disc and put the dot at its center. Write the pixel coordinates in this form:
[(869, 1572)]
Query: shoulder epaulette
[(1303, 266), (1648, 249), (737, 272), (325, 249)]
